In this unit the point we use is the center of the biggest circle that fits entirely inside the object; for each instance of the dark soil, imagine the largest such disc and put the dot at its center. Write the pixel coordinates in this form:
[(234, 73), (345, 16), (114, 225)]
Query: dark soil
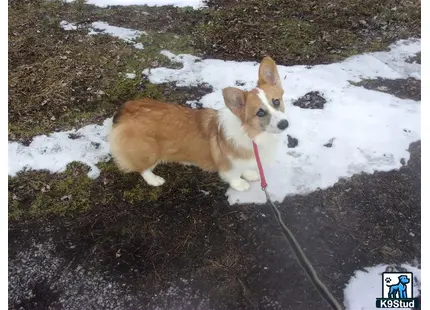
[(402, 88), (312, 100)]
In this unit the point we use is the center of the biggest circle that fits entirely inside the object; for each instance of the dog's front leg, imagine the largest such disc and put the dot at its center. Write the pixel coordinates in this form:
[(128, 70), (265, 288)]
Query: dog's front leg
[(251, 175), (233, 177)]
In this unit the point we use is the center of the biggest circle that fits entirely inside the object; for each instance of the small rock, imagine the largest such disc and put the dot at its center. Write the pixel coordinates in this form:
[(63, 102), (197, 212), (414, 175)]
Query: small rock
[(402, 161), (243, 217), (66, 198), (363, 22), (206, 86), (382, 88), (292, 142), (45, 189), (311, 100), (74, 136), (329, 143), (53, 118)]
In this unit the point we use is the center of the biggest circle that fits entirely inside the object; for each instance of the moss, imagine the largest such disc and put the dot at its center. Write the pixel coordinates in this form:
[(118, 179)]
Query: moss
[(126, 89), (154, 42), (138, 194), (107, 166), (40, 194)]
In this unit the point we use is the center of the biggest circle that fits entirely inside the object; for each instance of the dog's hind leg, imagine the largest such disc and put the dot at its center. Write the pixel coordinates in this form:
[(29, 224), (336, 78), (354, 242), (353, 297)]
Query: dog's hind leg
[(151, 178)]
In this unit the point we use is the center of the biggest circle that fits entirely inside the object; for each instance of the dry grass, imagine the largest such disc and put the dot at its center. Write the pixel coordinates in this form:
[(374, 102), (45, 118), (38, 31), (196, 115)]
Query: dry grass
[(61, 79)]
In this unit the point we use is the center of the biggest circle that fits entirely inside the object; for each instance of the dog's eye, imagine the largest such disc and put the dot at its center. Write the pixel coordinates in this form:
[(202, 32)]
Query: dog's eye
[(276, 102), (261, 113)]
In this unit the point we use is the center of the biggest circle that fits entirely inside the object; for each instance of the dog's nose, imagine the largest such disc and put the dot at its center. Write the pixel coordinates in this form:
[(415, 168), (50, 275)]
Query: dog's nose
[(283, 124)]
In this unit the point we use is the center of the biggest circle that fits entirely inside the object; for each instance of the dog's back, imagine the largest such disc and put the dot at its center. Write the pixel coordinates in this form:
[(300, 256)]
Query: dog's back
[(147, 131)]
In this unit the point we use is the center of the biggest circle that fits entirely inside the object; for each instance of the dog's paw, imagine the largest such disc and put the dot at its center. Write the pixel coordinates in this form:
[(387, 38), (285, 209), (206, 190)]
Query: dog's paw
[(251, 175), (157, 181), (240, 185), (153, 179)]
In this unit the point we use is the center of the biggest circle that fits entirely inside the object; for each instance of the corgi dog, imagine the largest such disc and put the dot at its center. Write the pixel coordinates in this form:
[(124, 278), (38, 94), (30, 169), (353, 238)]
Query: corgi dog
[(147, 132)]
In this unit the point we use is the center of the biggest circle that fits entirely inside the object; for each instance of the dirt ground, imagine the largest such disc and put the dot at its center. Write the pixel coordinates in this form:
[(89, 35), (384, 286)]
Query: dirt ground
[(116, 243)]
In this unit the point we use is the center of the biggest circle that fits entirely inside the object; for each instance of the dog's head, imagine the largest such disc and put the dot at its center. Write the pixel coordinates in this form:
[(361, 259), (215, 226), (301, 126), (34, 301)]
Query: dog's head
[(261, 109), (403, 279)]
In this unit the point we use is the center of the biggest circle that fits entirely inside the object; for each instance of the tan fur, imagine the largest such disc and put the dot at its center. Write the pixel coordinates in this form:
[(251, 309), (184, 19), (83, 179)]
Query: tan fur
[(147, 132)]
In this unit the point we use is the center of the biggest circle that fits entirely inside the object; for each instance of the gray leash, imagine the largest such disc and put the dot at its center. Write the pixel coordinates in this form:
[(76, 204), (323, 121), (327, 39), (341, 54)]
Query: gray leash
[(301, 257)]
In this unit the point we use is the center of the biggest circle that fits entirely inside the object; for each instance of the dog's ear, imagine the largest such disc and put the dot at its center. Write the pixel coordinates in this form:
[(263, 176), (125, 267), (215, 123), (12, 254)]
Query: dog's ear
[(234, 99), (268, 73)]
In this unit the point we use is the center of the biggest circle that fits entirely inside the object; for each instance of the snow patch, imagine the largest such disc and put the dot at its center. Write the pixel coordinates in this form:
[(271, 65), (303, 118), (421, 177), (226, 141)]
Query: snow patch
[(68, 26), (53, 152), (98, 27), (128, 35), (130, 75)]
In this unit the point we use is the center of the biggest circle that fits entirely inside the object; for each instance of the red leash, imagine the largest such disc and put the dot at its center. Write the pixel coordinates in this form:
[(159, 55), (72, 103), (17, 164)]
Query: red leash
[(260, 167)]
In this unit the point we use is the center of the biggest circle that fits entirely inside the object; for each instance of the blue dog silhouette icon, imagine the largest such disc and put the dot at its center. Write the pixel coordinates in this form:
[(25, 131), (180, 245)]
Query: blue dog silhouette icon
[(399, 290)]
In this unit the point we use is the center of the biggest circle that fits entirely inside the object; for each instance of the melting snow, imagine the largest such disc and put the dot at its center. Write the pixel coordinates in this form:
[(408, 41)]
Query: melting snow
[(87, 145), (128, 35), (68, 26)]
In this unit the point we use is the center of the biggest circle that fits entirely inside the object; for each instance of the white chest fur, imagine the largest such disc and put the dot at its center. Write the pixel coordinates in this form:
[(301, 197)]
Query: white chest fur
[(267, 142)]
